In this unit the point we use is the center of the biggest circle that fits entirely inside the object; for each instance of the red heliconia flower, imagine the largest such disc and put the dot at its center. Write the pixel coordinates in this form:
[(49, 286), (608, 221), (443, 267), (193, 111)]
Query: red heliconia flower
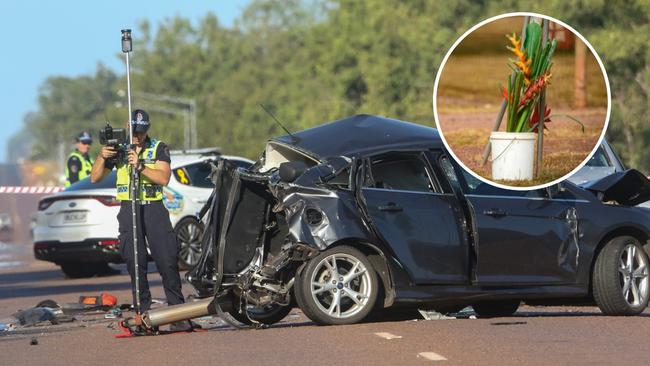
[(535, 118), (534, 88), (505, 94)]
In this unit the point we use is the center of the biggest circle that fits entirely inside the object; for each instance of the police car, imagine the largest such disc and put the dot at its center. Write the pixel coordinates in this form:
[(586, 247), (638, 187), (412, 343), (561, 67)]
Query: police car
[(77, 229)]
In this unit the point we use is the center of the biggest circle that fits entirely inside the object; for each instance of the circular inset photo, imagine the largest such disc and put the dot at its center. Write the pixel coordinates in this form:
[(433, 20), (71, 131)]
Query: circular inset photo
[(521, 101)]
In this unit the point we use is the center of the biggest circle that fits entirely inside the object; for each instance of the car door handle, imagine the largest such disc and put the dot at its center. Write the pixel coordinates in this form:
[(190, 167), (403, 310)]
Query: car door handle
[(495, 212), (391, 207)]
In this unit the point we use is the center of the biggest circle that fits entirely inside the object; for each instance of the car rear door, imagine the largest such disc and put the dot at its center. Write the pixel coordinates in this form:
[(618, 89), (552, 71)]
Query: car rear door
[(521, 237), (421, 223)]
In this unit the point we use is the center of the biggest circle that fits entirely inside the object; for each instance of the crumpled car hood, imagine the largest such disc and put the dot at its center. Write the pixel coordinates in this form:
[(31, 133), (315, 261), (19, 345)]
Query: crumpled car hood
[(628, 188)]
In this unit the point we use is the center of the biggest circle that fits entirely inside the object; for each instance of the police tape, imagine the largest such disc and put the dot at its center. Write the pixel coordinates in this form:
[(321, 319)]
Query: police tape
[(30, 189)]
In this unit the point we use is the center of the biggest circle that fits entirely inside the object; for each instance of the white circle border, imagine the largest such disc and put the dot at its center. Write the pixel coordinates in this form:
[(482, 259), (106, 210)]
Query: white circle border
[(508, 15)]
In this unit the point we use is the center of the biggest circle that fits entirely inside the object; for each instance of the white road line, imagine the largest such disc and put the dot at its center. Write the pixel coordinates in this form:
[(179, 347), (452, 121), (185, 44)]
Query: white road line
[(388, 335), (431, 356)]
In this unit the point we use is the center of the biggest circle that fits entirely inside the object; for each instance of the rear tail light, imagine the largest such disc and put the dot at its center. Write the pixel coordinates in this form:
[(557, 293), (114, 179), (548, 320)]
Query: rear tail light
[(108, 200), (40, 245), (105, 200), (44, 204), (109, 242)]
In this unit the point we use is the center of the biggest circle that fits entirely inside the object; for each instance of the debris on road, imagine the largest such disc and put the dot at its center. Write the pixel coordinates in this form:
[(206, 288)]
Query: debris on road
[(34, 341), (113, 314), (6, 327), (33, 316), (50, 311), (465, 313), (102, 300), (433, 315)]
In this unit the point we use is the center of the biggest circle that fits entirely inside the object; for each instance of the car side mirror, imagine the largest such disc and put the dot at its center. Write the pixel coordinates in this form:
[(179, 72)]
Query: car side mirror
[(554, 190), (291, 170)]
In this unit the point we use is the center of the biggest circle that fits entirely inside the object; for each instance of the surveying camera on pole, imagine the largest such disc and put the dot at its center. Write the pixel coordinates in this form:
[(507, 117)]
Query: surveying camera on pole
[(135, 175)]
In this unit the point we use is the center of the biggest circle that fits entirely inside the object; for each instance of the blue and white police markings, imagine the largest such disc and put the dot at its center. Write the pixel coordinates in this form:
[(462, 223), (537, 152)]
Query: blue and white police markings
[(173, 201)]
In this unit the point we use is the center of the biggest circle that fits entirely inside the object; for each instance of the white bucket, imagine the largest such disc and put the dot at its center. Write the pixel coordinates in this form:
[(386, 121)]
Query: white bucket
[(512, 155)]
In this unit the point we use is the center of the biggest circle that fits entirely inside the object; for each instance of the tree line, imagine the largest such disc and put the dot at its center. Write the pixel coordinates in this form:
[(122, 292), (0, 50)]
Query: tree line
[(315, 61)]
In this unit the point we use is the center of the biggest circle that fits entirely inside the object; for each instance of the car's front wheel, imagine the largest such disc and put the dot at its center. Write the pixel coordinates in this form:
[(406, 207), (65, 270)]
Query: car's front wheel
[(188, 233), (620, 278), (339, 286)]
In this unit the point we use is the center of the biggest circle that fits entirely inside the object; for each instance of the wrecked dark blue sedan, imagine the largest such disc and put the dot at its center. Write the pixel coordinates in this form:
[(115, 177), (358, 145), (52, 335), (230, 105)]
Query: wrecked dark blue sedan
[(369, 212)]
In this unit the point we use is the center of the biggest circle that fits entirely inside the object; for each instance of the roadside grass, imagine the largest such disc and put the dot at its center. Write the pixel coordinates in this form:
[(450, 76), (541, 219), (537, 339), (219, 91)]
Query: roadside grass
[(554, 166), (561, 155)]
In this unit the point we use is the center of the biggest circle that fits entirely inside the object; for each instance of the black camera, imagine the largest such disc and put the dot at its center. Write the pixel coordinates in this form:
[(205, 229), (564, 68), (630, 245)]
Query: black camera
[(116, 138)]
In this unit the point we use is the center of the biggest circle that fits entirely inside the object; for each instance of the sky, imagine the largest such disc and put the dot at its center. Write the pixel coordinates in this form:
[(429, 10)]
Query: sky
[(69, 37)]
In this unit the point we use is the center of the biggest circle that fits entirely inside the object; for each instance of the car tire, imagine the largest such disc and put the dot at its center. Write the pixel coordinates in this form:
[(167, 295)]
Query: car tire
[(620, 277), (188, 233), (494, 309), (267, 315), (326, 299), (78, 270)]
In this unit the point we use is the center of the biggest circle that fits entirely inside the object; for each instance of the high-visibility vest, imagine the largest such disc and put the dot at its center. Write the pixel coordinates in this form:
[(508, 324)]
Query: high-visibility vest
[(148, 190), (86, 167)]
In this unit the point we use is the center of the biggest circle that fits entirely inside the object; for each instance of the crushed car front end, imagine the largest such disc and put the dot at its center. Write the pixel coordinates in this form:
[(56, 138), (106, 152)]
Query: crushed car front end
[(300, 199)]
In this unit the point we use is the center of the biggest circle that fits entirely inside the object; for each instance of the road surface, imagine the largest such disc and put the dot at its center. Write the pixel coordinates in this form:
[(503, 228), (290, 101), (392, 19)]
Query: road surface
[(534, 336)]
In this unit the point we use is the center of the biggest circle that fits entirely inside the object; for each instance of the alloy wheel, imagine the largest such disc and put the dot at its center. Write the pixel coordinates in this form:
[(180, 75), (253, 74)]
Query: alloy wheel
[(633, 274), (189, 236), (341, 285)]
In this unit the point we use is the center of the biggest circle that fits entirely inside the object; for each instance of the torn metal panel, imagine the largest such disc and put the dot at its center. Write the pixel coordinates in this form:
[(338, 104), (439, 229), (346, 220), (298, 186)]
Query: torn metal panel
[(569, 252), (628, 188), (322, 217)]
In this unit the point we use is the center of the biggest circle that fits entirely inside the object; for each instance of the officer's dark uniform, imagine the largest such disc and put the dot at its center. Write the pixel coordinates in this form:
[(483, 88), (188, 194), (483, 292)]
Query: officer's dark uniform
[(153, 223)]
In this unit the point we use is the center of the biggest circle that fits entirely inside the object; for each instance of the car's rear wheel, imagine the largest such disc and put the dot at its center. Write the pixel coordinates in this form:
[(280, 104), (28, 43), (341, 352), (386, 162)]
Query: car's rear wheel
[(339, 286), (188, 232), (268, 315), (493, 309), (620, 279)]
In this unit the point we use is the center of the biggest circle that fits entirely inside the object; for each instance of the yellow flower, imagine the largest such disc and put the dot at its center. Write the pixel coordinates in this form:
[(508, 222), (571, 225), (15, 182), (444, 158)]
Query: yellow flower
[(522, 63)]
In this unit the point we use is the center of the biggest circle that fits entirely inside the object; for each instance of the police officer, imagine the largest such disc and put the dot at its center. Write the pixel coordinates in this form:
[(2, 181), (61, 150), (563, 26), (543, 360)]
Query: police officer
[(151, 158), (79, 162)]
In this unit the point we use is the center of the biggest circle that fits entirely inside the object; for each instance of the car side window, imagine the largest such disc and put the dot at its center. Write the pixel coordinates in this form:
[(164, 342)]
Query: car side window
[(475, 186), (599, 159), (400, 171), (196, 175)]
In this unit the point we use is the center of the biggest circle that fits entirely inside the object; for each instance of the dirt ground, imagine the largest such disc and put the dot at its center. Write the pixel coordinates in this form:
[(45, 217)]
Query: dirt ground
[(565, 145)]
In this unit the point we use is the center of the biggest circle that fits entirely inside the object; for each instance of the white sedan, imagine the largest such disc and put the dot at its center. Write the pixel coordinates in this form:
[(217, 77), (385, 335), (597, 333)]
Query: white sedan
[(77, 228)]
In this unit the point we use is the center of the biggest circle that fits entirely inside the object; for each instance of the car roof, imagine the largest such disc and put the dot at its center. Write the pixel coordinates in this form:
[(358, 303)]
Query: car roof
[(361, 135), (185, 159)]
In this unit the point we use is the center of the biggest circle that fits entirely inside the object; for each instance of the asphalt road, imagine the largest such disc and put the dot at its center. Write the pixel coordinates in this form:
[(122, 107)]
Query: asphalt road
[(534, 336)]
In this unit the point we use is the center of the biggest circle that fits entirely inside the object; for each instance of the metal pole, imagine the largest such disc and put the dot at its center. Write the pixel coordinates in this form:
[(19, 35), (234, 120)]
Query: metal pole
[(186, 130), (504, 103), (194, 139), (542, 110), (126, 48)]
